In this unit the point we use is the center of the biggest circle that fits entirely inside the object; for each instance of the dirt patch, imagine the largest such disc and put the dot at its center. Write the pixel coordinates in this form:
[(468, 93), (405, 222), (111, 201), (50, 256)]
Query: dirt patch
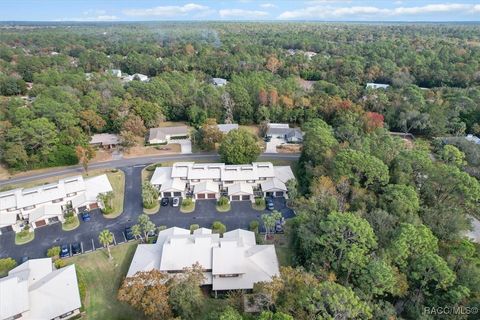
[(102, 155), (139, 151), (171, 124), (4, 174), (253, 129), (289, 148), (305, 84)]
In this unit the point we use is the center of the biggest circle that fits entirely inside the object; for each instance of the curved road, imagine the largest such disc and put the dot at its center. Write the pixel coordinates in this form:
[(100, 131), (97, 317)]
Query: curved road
[(87, 233)]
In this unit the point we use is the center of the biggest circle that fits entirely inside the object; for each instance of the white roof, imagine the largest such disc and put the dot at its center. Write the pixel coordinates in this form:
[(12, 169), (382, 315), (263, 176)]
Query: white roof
[(219, 81), (8, 218), (279, 125), (160, 175), (377, 85), (161, 133), (283, 173), (273, 185), (240, 189), (206, 186), (236, 252), (105, 139), (38, 291), (96, 185), (226, 128), (79, 200), (173, 185), (472, 138), (8, 199), (45, 212)]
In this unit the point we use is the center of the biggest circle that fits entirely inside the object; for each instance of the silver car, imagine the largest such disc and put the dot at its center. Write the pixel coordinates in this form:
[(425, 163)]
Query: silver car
[(176, 202)]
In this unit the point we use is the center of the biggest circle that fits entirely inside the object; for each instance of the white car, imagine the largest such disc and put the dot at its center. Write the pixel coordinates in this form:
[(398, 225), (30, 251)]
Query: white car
[(176, 202)]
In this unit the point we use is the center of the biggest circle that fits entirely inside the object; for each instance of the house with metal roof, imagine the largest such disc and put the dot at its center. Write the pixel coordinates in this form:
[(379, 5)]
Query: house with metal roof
[(231, 262), (284, 132), (227, 127), (219, 82), (165, 134), (211, 180), (35, 290), (48, 203), (105, 140), (372, 85)]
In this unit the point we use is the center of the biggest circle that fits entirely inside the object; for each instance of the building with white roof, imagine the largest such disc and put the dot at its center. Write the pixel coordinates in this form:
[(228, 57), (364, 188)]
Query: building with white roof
[(212, 180), (233, 262), (372, 85), (46, 204), (283, 131), (136, 76), (34, 290), (165, 134), (219, 82), (227, 127)]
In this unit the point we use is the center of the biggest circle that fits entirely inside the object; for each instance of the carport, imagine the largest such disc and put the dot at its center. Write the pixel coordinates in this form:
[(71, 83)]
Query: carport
[(274, 188)]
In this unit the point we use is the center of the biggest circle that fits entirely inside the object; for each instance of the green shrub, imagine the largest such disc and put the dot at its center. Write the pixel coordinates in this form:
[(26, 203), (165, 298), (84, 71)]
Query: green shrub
[(223, 201), (218, 227), (70, 220), (259, 202), (6, 264), (53, 252), (187, 202), (59, 263), (69, 214), (254, 224), (194, 227)]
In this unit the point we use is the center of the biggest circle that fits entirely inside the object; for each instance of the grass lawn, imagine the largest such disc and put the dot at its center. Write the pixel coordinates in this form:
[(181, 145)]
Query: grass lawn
[(103, 278), (282, 247), (71, 226), (24, 237), (187, 209), (153, 210), (117, 180), (224, 208)]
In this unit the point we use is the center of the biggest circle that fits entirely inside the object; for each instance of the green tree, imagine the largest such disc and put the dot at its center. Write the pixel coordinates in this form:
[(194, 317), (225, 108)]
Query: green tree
[(452, 155), (230, 314), (149, 195), (137, 231), (319, 141), (186, 297), (360, 168), (239, 147), (146, 225), (218, 227), (106, 199), (106, 238), (401, 201), (54, 252)]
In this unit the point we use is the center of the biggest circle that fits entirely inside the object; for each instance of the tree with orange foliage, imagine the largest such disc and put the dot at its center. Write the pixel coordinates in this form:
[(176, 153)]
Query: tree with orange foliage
[(272, 64), (84, 155)]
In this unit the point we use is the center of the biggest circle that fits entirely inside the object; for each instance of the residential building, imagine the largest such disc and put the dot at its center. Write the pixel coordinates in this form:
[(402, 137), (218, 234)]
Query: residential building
[(136, 76), (203, 181), (227, 127), (219, 82), (35, 290), (105, 140), (48, 203), (165, 134), (116, 73), (231, 262), (472, 138), (283, 131), (372, 85), (309, 54)]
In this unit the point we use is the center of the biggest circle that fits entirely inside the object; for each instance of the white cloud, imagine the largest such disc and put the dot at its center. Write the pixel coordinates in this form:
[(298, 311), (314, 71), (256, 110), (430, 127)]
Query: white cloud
[(243, 14), (268, 5), (167, 11), (329, 12), (92, 18), (476, 8)]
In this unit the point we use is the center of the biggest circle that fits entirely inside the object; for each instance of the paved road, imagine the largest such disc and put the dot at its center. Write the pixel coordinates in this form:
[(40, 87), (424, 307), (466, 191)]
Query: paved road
[(87, 233), (123, 163)]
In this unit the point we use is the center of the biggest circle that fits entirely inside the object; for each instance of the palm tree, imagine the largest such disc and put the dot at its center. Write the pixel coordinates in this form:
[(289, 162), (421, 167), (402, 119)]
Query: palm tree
[(137, 231), (106, 238)]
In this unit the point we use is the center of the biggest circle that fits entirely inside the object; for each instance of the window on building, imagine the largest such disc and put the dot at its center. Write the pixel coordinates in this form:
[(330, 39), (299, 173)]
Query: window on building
[(57, 200), (71, 194), (229, 275), (29, 208), (250, 181)]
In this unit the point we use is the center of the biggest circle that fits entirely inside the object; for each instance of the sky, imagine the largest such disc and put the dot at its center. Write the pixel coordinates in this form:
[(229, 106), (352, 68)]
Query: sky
[(280, 10)]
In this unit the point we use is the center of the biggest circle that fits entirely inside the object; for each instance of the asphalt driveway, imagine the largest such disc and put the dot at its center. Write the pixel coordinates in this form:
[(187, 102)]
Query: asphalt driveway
[(87, 233)]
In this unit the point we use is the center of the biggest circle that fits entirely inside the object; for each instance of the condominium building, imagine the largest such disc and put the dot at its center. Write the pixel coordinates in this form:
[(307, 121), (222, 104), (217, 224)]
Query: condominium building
[(48, 203), (212, 180)]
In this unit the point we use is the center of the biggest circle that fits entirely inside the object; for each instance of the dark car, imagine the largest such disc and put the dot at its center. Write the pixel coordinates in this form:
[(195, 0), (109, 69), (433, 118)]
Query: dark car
[(129, 233), (24, 259), (76, 248), (165, 202), (269, 203), (64, 251), (267, 139), (86, 216)]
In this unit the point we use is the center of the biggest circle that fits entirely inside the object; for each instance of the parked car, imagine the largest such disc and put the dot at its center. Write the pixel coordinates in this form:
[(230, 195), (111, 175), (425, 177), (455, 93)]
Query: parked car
[(175, 202), (24, 259), (165, 202), (64, 251), (270, 204), (267, 139), (86, 216), (129, 234), (278, 227), (76, 248)]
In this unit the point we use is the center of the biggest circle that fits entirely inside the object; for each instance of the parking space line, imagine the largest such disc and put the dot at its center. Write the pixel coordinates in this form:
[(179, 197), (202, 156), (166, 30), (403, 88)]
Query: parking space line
[(93, 246), (81, 246), (125, 237), (114, 241)]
